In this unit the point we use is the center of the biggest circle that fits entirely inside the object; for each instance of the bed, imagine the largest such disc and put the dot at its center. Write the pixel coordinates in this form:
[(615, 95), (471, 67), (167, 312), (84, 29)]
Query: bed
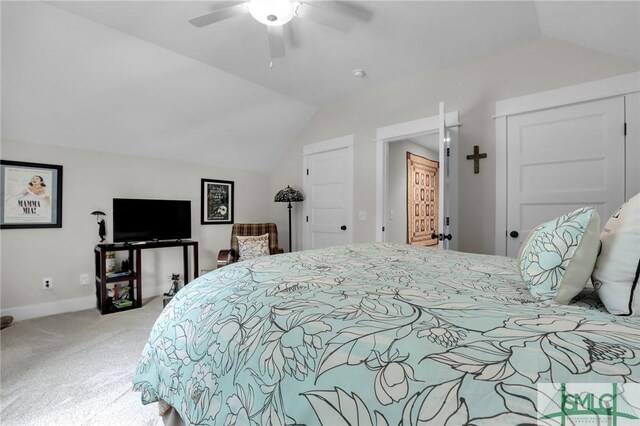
[(375, 334)]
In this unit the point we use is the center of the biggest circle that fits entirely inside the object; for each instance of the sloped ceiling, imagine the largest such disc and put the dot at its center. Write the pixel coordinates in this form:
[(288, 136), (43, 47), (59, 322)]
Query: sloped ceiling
[(134, 77), (70, 82)]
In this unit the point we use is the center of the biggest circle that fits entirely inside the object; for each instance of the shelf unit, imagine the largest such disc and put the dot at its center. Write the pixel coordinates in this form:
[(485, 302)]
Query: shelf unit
[(104, 304)]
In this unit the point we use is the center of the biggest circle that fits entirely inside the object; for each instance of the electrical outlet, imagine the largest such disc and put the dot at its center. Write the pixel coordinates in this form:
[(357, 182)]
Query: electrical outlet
[(84, 279), (47, 283)]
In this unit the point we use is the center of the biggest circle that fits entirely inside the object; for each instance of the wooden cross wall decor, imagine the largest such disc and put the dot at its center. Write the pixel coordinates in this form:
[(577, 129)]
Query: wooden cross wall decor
[(476, 158)]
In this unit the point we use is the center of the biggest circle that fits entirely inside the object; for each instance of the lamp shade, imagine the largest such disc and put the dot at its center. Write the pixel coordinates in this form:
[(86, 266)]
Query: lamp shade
[(288, 195)]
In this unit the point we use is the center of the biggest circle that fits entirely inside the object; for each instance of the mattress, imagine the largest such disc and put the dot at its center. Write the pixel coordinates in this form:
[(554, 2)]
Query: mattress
[(375, 334)]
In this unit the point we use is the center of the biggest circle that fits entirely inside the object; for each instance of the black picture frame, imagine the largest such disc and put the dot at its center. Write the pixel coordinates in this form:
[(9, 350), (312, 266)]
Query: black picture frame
[(30, 195), (216, 199)]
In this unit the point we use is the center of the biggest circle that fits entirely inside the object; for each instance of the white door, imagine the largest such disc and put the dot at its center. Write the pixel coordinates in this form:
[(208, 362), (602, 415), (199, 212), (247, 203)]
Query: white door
[(328, 185), (448, 182), (560, 159), (632, 146), (443, 207)]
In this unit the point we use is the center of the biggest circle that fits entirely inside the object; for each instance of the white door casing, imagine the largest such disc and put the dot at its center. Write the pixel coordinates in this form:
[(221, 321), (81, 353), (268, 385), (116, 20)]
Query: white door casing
[(448, 179), (626, 86), (328, 187)]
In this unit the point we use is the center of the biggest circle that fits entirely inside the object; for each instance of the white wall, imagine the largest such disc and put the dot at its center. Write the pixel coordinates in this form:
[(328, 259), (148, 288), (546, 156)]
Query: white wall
[(396, 228), (472, 89), (90, 181)]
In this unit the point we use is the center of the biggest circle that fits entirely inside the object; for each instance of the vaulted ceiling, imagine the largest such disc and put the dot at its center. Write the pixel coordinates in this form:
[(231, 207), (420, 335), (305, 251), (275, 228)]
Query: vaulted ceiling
[(136, 78)]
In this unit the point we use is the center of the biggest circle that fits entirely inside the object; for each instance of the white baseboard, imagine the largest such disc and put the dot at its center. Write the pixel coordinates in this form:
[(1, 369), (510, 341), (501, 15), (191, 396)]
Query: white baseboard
[(64, 306)]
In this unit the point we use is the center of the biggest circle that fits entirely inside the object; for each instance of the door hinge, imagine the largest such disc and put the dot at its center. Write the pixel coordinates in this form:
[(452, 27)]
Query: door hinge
[(307, 172), (448, 152), (383, 229), (625, 129), (307, 218), (447, 221)]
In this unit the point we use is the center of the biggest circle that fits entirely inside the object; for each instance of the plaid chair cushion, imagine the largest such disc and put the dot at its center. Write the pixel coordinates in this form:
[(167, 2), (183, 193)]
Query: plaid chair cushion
[(254, 229)]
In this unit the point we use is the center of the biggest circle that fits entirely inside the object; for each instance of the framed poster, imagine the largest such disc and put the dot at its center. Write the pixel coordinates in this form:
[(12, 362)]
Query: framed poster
[(31, 195), (217, 202), (422, 180)]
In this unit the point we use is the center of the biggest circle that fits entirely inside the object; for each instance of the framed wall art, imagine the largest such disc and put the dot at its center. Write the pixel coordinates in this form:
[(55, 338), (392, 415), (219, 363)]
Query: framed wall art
[(422, 202), (31, 195), (217, 202)]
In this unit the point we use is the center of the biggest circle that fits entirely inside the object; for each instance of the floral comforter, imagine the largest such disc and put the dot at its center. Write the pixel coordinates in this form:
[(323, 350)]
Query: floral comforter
[(375, 334)]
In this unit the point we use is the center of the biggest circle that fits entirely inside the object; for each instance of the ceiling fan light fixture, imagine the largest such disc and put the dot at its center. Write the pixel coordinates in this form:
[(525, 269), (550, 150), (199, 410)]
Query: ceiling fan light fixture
[(271, 12)]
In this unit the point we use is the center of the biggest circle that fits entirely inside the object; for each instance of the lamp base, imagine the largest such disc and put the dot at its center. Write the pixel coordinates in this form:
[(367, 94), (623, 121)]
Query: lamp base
[(289, 207)]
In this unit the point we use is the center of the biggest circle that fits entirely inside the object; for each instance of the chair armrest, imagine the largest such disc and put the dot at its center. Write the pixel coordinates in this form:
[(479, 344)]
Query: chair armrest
[(226, 257)]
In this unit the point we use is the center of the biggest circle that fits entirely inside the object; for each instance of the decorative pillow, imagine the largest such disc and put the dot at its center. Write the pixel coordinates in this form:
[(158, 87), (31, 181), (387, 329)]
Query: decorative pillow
[(618, 266), (253, 246), (558, 256)]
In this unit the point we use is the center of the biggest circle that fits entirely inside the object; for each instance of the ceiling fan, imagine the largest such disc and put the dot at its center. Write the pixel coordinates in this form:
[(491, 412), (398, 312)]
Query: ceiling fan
[(341, 16)]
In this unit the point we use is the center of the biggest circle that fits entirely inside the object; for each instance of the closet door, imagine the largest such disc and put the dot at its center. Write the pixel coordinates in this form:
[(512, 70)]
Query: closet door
[(560, 159), (328, 186)]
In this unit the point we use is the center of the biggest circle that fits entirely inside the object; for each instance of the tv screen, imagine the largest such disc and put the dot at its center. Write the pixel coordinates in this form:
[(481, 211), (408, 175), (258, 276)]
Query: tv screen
[(147, 220)]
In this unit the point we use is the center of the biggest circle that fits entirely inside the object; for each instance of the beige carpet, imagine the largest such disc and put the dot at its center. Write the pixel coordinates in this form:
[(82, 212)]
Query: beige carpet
[(75, 369)]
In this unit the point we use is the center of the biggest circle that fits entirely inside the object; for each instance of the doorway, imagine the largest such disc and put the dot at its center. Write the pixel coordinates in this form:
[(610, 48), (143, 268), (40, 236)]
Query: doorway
[(411, 215), (423, 135)]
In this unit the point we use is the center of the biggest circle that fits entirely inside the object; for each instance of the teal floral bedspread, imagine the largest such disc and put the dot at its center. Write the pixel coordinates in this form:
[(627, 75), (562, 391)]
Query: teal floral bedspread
[(375, 334)]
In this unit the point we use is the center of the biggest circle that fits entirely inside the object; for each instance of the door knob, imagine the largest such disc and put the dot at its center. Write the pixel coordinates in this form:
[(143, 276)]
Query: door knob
[(513, 234), (448, 237), (343, 227)]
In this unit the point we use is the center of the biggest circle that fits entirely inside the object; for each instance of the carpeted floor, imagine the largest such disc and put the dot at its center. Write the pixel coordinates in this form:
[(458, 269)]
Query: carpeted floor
[(75, 369)]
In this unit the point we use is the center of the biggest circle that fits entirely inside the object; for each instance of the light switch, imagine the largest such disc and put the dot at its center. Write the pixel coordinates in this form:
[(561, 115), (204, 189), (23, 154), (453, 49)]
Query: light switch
[(362, 215)]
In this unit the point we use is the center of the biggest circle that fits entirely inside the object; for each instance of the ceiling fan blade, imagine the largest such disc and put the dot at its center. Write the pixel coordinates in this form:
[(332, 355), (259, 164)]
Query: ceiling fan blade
[(276, 41), (219, 15), (340, 16), (351, 9), (291, 35)]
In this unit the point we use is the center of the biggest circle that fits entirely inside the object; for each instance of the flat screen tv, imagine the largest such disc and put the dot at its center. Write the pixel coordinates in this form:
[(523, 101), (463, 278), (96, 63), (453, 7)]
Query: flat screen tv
[(148, 220)]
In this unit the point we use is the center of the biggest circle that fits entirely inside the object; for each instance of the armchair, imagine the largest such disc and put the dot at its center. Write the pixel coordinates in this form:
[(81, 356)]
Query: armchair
[(231, 255)]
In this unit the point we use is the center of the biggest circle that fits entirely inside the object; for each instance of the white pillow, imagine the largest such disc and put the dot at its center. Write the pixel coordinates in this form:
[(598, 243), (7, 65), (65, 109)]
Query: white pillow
[(618, 266), (253, 246), (558, 256)]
